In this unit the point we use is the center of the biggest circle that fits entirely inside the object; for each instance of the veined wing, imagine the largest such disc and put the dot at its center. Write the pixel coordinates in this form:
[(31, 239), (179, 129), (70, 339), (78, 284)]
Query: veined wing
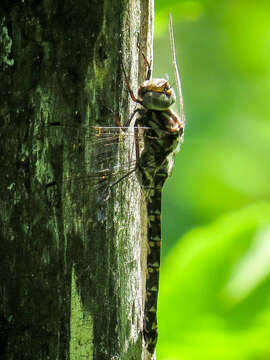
[(176, 70), (96, 156)]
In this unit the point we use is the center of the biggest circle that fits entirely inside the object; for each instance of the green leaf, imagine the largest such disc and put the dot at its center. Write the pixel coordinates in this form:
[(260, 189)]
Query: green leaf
[(215, 291)]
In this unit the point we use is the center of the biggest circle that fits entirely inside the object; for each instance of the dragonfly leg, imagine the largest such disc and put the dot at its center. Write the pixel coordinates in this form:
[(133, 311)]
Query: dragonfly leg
[(137, 145), (131, 93), (149, 71), (117, 122), (127, 124)]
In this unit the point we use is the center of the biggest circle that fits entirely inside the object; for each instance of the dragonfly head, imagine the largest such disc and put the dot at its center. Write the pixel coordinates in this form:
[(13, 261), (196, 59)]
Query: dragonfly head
[(156, 94)]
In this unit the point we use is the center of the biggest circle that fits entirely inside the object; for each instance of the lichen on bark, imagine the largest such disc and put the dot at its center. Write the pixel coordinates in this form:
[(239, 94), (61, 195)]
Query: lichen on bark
[(5, 46)]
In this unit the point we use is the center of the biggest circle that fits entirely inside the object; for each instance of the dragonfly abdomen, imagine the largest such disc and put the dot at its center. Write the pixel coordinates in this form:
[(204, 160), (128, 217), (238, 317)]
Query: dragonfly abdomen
[(155, 165), (153, 266)]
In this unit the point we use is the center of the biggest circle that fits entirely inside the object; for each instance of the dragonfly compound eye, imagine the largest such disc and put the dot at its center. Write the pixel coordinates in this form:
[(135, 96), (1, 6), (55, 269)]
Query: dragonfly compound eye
[(156, 94)]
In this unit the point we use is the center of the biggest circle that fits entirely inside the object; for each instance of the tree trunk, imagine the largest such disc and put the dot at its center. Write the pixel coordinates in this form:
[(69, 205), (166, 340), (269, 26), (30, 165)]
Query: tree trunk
[(72, 266)]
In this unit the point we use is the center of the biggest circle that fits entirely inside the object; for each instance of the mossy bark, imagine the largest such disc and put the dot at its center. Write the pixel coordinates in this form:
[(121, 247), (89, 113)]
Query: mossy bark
[(71, 282)]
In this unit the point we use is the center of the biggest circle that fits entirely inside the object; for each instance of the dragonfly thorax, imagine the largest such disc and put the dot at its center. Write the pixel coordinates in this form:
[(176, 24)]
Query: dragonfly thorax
[(156, 94)]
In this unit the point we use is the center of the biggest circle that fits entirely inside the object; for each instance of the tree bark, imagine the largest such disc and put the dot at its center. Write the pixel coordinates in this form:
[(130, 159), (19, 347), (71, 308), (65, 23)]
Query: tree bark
[(72, 268)]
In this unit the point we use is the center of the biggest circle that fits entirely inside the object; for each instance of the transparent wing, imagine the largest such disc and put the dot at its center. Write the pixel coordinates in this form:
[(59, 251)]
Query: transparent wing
[(176, 71), (96, 156)]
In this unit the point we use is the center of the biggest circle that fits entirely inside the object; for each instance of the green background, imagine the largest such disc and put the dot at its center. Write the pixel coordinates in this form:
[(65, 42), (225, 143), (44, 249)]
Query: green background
[(214, 289)]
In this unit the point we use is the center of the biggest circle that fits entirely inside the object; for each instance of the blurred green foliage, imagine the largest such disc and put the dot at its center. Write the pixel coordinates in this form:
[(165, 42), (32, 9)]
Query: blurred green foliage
[(214, 298), (223, 51)]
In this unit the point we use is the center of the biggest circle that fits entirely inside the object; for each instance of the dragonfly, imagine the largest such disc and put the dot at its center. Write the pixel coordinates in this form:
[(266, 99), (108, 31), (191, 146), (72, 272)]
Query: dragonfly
[(155, 137), (155, 164)]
